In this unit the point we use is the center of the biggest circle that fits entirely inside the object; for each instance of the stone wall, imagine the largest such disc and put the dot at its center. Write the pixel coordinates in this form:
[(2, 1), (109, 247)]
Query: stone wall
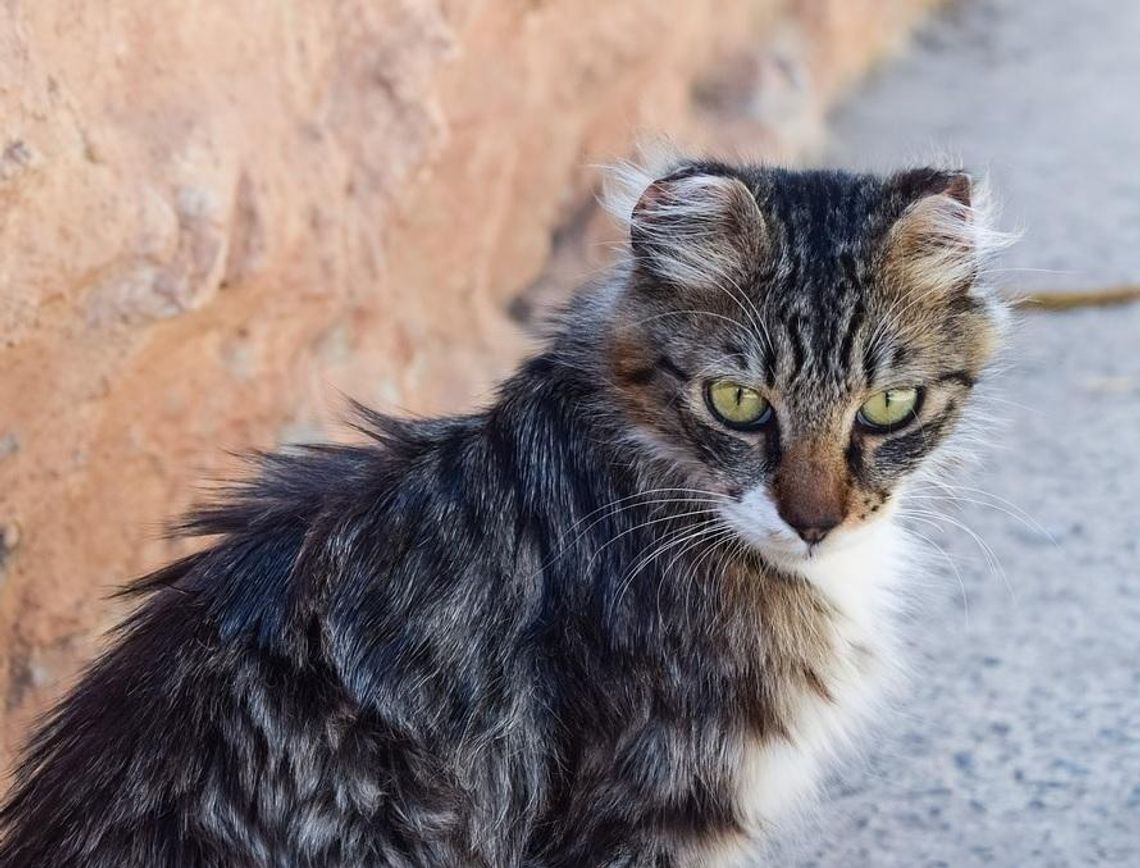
[(217, 218)]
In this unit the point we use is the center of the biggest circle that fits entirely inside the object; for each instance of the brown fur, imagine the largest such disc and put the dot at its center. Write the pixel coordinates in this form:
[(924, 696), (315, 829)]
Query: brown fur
[(812, 486)]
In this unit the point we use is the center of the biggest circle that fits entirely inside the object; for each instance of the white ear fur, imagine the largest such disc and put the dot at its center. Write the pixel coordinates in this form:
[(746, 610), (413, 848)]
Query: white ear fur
[(689, 229), (945, 240), (625, 181)]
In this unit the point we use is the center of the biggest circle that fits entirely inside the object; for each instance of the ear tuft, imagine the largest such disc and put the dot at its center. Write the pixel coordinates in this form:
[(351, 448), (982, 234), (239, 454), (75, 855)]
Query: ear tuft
[(944, 238), (693, 228), (959, 187)]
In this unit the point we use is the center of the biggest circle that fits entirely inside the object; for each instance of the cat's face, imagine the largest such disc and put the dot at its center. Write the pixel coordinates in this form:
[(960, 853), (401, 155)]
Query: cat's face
[(799, 344)]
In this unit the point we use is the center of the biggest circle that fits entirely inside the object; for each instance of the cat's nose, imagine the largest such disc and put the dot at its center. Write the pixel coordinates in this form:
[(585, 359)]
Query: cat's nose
[(810, 490), (814, 532)]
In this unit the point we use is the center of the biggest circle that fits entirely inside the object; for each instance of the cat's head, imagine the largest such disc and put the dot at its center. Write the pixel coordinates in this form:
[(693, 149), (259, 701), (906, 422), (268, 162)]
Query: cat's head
[(801, 343)]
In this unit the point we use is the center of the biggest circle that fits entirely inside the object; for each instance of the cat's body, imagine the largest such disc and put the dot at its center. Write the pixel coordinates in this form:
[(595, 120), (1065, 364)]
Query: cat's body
[(565, 632)]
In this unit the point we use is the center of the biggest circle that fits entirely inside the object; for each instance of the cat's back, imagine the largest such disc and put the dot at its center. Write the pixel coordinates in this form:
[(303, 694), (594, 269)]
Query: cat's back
[(274, 689)]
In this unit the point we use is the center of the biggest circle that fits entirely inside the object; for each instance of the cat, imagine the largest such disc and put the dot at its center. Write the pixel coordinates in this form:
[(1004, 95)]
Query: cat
[(621, 617)]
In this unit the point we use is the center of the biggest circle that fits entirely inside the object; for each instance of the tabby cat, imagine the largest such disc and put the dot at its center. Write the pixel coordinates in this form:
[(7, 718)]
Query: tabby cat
[(621, 617)]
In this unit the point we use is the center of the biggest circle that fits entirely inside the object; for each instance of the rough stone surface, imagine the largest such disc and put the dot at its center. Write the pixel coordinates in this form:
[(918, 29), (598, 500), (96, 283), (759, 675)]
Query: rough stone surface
[(217, 217), (1019, 742)]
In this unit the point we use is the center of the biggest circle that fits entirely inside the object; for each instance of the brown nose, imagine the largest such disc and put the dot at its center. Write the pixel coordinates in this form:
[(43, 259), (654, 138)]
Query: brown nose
[(811, 533), (810, 493)]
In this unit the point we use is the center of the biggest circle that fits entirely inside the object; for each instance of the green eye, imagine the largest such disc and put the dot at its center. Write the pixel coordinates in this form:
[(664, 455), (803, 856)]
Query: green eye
[(889, 409), (737, 406)]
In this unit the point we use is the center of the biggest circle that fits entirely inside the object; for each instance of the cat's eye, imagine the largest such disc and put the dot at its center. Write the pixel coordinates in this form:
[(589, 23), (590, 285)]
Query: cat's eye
[(890, 409), (737, 406)]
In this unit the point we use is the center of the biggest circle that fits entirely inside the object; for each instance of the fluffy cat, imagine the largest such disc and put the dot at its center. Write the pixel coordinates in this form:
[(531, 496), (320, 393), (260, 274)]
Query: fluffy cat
[(618, 618)]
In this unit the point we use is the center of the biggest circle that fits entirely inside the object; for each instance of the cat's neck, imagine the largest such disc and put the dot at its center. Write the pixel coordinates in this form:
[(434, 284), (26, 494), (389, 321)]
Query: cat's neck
[(861, 579)]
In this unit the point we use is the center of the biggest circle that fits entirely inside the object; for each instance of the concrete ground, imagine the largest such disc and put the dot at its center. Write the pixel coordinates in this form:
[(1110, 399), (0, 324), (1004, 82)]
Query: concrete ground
[(1018, 743)]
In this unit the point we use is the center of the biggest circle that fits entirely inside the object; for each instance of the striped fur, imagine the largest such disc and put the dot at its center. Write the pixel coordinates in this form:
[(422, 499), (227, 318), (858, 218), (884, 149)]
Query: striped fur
[(572, 629)]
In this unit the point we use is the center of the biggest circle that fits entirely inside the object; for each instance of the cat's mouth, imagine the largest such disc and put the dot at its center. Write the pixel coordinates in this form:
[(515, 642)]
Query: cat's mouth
[(789, 548), (756, 518)]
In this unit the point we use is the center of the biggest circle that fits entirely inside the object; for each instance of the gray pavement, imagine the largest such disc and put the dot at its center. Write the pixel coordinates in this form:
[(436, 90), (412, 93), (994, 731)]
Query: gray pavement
[(1018, 742)]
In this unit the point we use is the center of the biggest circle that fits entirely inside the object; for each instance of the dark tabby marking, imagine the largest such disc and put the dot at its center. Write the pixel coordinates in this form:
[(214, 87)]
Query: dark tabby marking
[(564, 631)]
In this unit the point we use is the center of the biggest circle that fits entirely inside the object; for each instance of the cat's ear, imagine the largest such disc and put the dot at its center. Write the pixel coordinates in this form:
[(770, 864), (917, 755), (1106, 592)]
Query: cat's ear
[(943, 237), (697, 229)]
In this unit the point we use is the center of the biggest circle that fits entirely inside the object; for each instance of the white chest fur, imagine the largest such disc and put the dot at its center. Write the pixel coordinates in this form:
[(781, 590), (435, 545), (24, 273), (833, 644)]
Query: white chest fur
[(859, 584)]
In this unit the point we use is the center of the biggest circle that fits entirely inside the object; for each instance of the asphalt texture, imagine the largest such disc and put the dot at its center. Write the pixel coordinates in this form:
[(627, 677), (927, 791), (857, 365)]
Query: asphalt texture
[(1017, 742)]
